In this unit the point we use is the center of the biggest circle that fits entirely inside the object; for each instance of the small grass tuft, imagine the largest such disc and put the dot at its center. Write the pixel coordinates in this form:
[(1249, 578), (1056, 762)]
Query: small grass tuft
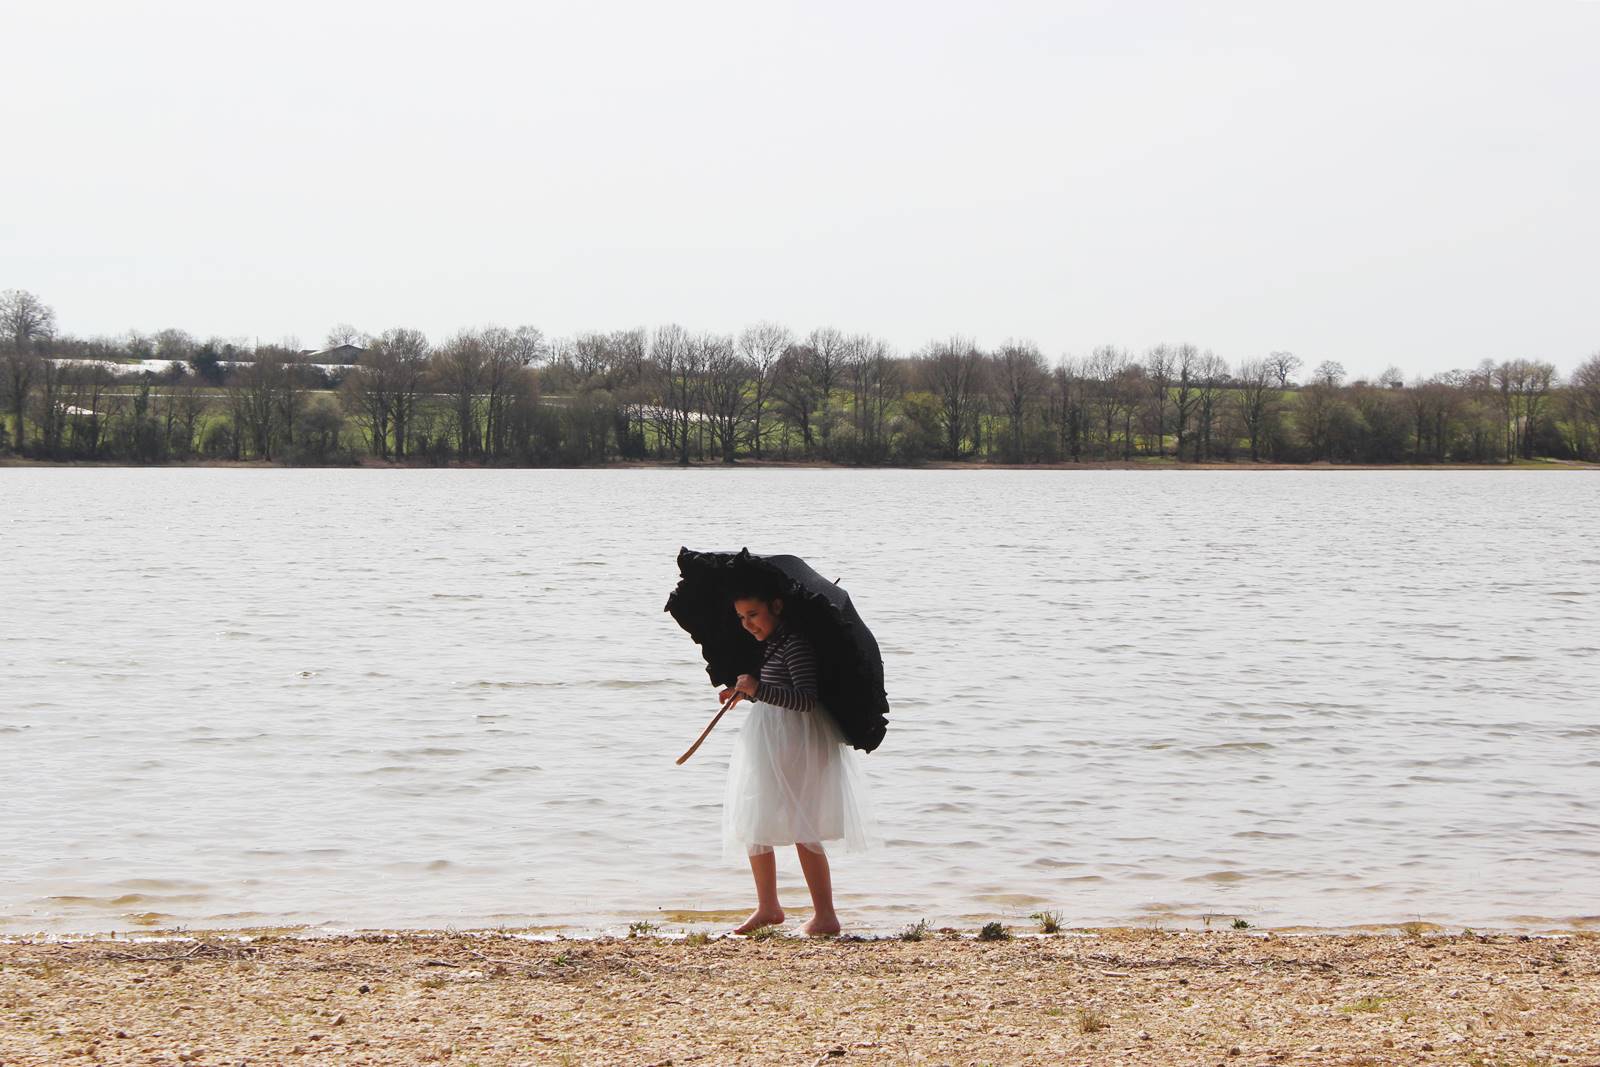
[(994, 931), (697, 938), (642, 928), (765, 933), (1049, 921), (1241, 924), (1090, 1021), (1366, 1004), (917, 931)]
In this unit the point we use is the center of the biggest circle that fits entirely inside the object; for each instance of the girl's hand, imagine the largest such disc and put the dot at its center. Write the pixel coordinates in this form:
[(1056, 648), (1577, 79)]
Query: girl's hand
[(722, 697), (747, 685)]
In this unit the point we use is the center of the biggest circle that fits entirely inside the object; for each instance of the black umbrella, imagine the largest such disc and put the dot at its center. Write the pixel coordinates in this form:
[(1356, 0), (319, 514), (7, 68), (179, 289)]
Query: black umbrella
[(850, 667)]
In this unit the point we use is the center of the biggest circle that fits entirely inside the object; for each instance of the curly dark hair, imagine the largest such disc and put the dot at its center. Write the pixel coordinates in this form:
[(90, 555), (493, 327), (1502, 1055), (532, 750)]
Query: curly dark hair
[(755, 587)]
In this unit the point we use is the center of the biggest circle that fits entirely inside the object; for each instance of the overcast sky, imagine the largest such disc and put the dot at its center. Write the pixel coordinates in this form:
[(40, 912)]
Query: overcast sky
[(1408, 183)]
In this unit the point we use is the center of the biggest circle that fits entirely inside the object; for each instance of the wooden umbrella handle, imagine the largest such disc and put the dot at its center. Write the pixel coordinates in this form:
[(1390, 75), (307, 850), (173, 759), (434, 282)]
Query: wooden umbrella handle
[(737, 696)]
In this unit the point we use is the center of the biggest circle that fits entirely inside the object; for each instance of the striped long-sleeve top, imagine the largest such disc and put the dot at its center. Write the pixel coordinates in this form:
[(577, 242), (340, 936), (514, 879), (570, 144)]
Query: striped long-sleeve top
[(788, 672)]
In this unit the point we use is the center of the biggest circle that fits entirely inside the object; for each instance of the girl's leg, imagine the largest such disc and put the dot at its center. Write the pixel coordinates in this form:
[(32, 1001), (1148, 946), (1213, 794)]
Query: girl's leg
[(819, 879), (764, 867)]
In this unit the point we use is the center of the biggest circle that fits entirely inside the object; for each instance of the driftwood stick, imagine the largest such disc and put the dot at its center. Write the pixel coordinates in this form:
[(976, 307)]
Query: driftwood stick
[(737, 696)]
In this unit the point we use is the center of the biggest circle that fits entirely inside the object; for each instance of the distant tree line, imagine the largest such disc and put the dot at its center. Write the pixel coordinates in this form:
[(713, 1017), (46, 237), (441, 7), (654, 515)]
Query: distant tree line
[(514, 397)]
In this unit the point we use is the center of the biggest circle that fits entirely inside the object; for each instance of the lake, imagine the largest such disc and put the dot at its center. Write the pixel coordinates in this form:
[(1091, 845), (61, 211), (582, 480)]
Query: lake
[(349, 699)]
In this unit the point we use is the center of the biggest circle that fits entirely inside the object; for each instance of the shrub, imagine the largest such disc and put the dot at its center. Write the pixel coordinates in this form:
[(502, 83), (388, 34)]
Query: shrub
[(1049, 921), (1090, 1021)]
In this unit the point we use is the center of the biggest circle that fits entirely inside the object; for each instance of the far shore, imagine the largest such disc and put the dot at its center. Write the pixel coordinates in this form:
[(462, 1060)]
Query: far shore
[(1129, 996), (772, 464)]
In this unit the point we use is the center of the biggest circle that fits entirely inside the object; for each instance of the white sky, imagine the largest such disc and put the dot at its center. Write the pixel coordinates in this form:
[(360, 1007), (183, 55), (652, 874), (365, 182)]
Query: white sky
[(1415, 183)]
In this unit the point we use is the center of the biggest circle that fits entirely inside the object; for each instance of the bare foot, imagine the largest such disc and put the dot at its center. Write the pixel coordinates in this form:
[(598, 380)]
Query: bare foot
[(816, 927), (758, 919)]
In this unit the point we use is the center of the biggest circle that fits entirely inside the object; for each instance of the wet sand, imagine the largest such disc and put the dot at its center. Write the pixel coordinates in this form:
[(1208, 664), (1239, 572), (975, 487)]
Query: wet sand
[(1130, 996)]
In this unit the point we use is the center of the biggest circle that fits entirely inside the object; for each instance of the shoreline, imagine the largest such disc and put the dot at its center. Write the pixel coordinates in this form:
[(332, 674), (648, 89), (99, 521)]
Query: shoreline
[(1129, 996), (770, 464), (676, 924)]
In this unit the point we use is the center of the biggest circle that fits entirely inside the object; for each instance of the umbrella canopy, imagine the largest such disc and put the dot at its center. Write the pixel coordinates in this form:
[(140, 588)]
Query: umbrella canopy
[(850, 667)]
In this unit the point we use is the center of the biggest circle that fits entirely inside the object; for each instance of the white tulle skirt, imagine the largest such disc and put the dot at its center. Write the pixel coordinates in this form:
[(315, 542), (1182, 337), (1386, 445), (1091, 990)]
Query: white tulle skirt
[(794, 780)]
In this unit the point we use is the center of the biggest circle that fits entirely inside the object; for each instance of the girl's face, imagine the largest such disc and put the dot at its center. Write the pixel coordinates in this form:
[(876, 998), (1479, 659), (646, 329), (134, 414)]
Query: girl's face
[(758, 617)]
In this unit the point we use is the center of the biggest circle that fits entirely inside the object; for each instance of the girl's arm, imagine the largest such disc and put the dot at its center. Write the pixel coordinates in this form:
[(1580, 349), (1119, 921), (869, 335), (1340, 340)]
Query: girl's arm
[(800, 661)]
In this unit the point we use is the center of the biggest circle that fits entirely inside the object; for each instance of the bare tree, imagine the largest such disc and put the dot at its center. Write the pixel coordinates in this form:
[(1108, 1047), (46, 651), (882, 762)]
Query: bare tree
[(342, 334), (796, 392), (1186, 369), (952, 371), (1541, 379), (1021, 377), (1483, 431), (368, 393), (580, 371), (49, 406), (291, 385), (25, 319), (1212, 378), (762, 346), (507, 356), (828, 354), (1282, 365), (858, 352), (86, 408), (25, 322), (1256, 400), (457, 370), (257, 389), (1159, 363), (1509, 380), (319, 430), (1433, 405), (175, 345), (1584, 404), (1523, 386), (846, 396), (189, 406), (1133, 388), (20, 368), (608, 374), (406, 352), (1315, 415), (1105, 370), (727, 379), (679, 361), (519, 433), (878, 378), (1069, 408)]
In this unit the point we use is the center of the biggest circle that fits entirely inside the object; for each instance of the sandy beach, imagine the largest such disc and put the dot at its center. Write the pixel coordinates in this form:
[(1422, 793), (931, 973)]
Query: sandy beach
[(1128, 996)]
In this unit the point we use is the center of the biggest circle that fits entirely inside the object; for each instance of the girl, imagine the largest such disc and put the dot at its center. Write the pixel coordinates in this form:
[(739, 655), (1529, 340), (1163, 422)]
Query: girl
[(792, 779)]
